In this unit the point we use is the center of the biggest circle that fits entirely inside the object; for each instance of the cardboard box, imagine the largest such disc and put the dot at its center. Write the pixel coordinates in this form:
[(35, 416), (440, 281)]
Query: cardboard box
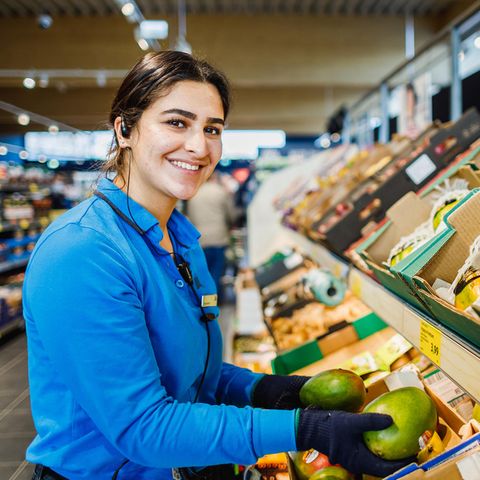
[(343, 225), (404, 217), (447, 466), (450, 439), (340, 336), (442, 257)]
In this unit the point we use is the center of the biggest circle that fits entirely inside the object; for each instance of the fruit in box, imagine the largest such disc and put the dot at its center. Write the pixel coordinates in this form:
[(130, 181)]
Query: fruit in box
[(414, 421), (308, 462), (332, 473), (335, 389)]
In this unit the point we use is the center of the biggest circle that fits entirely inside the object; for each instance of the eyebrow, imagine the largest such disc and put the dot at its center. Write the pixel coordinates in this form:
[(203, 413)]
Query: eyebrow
[(192, 116)]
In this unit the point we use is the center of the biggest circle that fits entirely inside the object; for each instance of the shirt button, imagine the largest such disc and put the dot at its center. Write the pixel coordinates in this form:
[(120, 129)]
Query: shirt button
[(179, 283)]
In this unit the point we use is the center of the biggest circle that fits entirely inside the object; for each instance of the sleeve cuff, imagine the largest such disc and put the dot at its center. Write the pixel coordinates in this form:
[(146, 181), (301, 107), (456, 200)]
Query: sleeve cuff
[(273, 431)]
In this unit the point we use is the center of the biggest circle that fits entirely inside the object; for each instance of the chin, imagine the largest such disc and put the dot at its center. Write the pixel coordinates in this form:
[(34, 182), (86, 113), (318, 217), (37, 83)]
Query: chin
[(186, 194)]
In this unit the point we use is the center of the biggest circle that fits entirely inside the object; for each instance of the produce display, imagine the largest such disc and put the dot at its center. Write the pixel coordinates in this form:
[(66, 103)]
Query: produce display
[(335, 389), (315, 319), (446, 197)]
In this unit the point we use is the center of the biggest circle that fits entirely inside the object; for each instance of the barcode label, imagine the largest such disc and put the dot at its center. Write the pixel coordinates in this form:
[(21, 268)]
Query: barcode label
[(443, 387)]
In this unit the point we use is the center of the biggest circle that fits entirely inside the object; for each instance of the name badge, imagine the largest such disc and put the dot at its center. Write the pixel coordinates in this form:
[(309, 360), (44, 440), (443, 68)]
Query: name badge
[(209, 300)]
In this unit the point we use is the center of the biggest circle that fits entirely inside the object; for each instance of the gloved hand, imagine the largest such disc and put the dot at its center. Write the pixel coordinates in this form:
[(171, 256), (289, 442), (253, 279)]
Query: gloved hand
[(279, 392), (339, 436)]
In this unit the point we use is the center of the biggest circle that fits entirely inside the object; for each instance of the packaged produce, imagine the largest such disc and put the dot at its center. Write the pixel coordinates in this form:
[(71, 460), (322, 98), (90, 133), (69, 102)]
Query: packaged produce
[(408, 244), (448, 196), (464, 291), (325, 287)]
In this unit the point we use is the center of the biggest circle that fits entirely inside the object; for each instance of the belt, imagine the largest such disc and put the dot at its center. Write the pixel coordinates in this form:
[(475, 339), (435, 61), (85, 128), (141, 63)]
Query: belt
[(45, 473)]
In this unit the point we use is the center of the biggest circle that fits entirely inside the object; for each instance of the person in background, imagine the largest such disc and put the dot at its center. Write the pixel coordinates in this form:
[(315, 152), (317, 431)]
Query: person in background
[(212, 211), (127, 380)]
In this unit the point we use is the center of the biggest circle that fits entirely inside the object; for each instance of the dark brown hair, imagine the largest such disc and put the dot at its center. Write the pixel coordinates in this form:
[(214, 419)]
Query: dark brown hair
[(153, 76)]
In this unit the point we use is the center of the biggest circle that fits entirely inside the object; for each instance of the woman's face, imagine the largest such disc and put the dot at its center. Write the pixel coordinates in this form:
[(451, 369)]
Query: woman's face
[(177, 142)]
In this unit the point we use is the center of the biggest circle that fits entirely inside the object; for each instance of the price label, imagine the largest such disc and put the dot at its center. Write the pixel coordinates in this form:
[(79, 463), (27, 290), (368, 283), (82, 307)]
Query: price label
[(430, 342), (356, 286)]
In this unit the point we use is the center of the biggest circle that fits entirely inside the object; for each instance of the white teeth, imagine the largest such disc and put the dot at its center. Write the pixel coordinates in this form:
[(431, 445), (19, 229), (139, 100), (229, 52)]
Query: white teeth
[(184, 165)]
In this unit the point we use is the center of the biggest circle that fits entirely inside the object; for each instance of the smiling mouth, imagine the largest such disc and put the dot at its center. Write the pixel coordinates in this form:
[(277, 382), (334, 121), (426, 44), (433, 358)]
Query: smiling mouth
[(185, 166)]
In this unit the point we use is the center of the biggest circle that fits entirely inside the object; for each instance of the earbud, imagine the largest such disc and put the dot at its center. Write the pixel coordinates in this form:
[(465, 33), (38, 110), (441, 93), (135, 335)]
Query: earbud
[(124, 129)]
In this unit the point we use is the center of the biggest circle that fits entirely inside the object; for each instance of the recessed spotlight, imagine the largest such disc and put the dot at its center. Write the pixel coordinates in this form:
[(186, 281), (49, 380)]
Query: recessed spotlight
[(335, 137), (23, 119), (3, 150), (42, 158), (128, 9), (23, 154), (461, 55), (476, 42), (29, 82), (53, 129)]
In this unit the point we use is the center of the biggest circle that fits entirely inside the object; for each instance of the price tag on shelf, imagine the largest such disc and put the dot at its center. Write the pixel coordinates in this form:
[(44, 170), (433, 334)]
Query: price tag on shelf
[(356, 285), (430, 341)]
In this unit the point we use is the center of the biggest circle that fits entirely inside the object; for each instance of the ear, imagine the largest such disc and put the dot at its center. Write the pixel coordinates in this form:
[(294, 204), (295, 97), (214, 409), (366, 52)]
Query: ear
[(117, 127)]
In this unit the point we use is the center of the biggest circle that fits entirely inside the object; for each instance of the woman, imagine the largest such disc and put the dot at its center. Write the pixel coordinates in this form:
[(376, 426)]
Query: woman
[(126, 375)]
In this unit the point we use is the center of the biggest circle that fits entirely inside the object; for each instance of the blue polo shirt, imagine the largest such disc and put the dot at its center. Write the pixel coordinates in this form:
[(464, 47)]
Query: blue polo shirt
[(116, 350)]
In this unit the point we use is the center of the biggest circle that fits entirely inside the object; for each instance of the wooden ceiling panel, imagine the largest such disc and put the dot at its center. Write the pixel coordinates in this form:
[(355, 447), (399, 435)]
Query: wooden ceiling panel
[(25, 8)]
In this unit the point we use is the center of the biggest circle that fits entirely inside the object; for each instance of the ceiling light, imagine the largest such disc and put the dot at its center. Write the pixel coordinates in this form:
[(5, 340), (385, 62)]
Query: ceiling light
[(128, 9), (53, 163), (3, 150), (476, 42), (153, 29), (143, 44), (53, 129), (42, 158), (335, 137), (461, 55), (23, 154), (29, 82), (23, 119)]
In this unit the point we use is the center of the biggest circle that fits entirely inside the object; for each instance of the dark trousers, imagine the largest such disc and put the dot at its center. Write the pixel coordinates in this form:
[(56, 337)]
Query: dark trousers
[(45, 473), (215, 257)]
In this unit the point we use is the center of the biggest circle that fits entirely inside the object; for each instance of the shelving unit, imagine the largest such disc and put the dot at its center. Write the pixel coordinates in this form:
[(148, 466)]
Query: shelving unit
[(458, 359)]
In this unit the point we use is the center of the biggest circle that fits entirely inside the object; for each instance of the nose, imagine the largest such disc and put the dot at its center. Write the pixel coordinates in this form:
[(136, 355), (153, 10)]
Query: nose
[(196, 143)]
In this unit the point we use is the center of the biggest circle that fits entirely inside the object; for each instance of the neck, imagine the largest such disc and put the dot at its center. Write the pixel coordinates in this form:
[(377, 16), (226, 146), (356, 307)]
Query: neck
[(160, 206)]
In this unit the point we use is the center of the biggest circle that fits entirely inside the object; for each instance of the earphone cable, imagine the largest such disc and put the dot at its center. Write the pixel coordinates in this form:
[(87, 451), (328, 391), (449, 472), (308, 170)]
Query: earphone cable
[(128, 190)]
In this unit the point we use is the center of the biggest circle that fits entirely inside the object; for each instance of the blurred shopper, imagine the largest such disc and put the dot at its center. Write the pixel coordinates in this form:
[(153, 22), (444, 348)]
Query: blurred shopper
[(126, 374), (212, 211)]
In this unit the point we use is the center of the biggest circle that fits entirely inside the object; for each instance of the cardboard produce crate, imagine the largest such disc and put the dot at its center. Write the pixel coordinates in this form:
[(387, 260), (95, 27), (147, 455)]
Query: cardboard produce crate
[(342, 335), (441, 259), (343, 224)]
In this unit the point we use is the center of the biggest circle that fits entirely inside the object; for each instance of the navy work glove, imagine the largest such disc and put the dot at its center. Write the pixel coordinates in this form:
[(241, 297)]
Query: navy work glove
[(339, 436), (280, 392)]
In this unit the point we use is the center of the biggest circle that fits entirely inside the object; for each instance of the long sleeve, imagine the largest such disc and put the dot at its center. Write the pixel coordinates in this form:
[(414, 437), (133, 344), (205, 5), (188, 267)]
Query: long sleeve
[(236, 385), (84, 312)]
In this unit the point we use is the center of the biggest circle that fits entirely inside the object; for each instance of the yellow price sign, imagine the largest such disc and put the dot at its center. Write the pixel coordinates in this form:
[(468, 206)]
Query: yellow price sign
[(356, 285), (430, 341)]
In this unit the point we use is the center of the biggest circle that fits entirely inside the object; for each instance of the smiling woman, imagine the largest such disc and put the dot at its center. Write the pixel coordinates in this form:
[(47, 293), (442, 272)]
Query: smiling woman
[(126, 374)]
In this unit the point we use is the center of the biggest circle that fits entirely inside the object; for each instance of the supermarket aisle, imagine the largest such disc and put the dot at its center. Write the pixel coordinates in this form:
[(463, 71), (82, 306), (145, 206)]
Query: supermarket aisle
[(16, 426)]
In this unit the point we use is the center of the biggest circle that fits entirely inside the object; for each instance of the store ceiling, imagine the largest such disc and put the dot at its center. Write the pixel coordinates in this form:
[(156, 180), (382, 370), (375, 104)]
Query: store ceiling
[(23, 8), (291, 63)]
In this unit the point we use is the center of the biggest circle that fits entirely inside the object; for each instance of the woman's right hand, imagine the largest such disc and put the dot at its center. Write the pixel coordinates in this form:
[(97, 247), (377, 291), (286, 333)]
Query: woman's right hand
[(339, 435)]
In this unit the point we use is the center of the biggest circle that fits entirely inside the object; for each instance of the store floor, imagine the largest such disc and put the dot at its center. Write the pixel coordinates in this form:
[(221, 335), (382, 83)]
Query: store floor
[(16, 426)]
